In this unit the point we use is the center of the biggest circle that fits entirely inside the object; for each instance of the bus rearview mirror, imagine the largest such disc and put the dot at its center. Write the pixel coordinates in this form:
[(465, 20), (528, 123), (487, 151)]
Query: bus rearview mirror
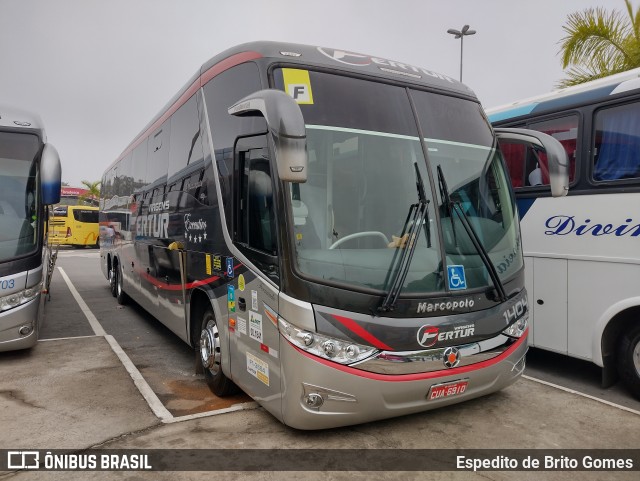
[(286, 126), (50, 175), (556, 155)]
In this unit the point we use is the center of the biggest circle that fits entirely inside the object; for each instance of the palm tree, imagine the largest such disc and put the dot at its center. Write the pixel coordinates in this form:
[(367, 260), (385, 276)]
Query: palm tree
[(93, 193), (600, 43)]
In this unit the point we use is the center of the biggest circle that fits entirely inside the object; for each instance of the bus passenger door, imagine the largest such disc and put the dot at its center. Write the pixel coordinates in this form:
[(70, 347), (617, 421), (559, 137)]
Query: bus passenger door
[(253, 292)]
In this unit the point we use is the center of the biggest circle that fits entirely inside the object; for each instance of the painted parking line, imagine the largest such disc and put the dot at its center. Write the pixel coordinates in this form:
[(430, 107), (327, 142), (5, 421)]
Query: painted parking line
[(588, 396), (147, 393)]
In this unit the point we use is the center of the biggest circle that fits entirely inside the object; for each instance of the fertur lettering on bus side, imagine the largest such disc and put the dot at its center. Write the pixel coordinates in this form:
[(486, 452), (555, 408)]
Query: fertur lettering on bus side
[(156, 223)]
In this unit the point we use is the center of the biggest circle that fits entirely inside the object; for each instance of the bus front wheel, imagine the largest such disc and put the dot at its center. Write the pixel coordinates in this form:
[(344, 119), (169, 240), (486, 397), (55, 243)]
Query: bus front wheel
[(629, 360), (210, 357)]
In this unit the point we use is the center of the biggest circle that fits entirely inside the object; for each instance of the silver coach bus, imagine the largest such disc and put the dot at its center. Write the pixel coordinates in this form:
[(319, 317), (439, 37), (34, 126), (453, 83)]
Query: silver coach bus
[(333, 233), (30, 180)]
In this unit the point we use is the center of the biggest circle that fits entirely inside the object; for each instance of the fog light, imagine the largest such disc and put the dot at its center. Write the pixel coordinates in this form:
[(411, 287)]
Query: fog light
[(313, 400), (25, 330)]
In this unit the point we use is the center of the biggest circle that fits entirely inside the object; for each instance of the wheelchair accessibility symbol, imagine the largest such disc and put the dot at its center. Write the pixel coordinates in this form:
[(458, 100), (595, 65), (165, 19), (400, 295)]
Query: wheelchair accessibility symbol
[(457, 280)]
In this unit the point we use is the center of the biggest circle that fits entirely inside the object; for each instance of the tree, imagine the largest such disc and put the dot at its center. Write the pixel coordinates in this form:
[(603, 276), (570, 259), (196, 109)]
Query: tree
[(600, 43), (93, 193)]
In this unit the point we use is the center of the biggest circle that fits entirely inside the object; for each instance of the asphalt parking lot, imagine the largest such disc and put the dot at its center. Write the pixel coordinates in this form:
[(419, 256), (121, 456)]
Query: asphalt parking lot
[(111, 377)]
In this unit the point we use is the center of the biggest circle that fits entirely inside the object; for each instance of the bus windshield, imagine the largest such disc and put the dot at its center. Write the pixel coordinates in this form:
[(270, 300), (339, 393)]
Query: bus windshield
[(363, 144), (18, 199)]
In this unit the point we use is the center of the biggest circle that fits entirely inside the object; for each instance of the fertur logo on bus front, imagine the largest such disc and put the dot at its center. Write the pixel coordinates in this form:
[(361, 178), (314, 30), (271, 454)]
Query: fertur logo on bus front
[(567, 225), (360, 60)]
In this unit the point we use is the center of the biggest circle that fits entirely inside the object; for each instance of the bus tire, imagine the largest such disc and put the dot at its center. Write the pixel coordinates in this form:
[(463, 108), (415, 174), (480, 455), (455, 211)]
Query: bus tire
[(629, 360), (210, 357), (113, 278), (121, 296)]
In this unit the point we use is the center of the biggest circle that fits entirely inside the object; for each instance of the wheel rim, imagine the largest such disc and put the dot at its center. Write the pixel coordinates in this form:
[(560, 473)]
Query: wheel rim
[(210, 347)]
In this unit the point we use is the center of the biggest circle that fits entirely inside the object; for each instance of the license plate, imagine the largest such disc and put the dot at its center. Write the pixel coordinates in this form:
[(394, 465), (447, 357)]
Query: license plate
[(447, 389)]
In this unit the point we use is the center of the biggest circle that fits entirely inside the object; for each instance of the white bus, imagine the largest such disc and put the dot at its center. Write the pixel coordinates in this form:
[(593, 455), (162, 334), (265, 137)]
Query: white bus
[(30, 182), (582, 253), (333, 233)]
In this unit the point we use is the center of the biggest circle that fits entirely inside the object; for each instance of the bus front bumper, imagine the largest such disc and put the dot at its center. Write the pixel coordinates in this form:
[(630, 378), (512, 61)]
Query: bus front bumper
[(12, 321), (351, 396)]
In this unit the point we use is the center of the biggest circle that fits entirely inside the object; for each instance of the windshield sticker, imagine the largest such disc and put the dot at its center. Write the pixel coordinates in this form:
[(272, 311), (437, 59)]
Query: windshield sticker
[(457, 279), (298, 85)]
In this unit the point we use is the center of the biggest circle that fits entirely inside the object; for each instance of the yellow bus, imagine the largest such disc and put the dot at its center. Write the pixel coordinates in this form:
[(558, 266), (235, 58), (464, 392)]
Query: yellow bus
[(75, 225)]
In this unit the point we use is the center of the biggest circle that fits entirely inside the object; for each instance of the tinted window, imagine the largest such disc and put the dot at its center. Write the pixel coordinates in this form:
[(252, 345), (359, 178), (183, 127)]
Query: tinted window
[(565, 130), (617, 143), (529, 168), (139, 160), (221, 93), (20, 188), (158, 153), (186, 138), (351, 103), (439, 113), (81, 215), (257, 218)]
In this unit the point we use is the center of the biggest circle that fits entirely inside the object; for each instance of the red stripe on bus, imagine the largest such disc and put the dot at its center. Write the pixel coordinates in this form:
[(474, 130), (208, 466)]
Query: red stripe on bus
[(418, 376), (357, 329), (177, 287), (226, 64)]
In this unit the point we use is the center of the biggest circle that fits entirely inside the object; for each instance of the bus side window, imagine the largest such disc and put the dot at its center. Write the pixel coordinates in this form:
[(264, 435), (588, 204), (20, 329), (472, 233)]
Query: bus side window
[(515, 159), (565, 130), (256, 216), (617, 143)]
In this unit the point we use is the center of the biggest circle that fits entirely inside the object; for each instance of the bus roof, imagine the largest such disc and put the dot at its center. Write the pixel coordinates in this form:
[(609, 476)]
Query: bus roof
[(566, 97), (328, 58), (18, 118)]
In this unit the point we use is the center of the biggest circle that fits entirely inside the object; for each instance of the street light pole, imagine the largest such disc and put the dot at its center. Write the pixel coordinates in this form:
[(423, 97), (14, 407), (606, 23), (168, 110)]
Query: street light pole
[(460, 34)]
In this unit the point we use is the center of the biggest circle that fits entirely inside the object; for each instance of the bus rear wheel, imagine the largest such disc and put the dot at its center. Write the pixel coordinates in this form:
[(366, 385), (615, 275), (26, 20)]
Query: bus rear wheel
[(629, 360), (113, 279), (121, 296), (210, 357)]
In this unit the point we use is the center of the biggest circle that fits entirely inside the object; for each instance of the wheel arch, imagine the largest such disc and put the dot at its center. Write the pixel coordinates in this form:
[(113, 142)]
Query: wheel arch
[(615, 320)]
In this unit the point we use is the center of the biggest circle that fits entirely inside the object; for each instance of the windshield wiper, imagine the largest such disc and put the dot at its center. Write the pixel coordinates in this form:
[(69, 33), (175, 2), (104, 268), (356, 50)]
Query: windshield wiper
[(418, 215), (444, 193), (454, 206)]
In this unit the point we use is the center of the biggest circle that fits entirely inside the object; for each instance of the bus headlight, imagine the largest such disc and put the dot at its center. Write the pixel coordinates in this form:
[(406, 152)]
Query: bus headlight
[(337, 350), (518, 328), (18, 298)]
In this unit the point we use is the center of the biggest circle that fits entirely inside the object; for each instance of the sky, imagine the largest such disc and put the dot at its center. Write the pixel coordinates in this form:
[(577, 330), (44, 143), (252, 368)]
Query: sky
[(97, 71)]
